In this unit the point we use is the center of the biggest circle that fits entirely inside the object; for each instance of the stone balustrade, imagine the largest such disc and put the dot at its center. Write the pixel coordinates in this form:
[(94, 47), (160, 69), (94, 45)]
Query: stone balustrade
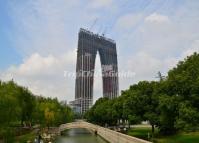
[(109, 135)]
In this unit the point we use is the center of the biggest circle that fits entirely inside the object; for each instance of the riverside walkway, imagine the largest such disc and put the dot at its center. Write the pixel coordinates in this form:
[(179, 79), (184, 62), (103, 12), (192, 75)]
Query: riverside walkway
[(109, 135)]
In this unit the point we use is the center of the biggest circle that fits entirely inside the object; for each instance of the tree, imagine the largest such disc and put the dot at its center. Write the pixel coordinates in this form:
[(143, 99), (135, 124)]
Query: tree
[(98, 111), (17, 104), (49, 117), (168, 108), (27, 104), (183, 80), (188, 118), (9, 107), (171, 104)]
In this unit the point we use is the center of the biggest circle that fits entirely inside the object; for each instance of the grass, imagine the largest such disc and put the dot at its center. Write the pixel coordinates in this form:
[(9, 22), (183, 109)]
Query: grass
[(192, 137), (24, 138), (142, 132)]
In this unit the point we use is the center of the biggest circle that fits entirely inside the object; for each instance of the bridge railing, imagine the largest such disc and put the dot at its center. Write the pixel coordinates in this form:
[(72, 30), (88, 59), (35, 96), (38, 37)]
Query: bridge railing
[(109, 135)]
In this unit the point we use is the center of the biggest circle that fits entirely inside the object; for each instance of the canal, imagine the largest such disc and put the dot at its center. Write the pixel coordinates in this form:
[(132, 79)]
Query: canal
[(79, 136)]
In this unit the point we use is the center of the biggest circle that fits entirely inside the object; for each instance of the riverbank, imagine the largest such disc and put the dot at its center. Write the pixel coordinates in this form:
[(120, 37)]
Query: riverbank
[(47, 135), (183, 137)]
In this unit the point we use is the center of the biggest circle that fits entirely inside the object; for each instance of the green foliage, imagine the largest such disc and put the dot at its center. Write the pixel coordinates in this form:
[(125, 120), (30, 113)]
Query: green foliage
[(171, 104), (57, 112), (26, 137), (7, 135), (102, 112), (168, 107), (9, 105), (19, 105), (26, 102), (188, 118), (184, 79)]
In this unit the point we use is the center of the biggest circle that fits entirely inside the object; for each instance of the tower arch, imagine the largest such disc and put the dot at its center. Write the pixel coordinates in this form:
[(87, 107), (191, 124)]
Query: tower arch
[(88, 46)]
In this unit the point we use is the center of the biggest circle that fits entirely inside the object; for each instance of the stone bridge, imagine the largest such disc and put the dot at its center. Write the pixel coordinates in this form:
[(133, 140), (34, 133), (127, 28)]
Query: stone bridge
[(109, 135)]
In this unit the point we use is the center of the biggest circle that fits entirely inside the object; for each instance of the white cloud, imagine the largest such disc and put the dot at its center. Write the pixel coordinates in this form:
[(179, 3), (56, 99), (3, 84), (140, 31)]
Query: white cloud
[(128, 21), (144, 65), (47, 27), (45, 35), (146, 44), (37, 64), (194, 48), (100, 3), (45, 75), (155, 17), (168, 38)]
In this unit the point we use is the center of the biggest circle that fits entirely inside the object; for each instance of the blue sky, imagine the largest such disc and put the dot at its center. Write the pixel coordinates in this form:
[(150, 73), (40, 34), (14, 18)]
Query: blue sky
[(38, 39), (8, 53)]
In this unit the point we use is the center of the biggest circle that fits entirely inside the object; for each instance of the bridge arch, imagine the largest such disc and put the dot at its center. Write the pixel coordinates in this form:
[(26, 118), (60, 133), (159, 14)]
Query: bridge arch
[(109, 135), (79, 124)]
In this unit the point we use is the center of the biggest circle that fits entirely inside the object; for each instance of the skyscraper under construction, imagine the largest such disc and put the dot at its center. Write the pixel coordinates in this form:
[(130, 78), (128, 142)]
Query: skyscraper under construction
[(88, 46)]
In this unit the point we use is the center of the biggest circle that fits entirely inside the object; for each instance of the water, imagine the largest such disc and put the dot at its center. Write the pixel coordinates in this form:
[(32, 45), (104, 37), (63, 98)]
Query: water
[(79, 136)]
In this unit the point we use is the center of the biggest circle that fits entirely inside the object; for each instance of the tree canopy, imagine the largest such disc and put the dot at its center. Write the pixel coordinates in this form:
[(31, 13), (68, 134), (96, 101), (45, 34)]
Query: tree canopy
[(19, 107), (171, 104)]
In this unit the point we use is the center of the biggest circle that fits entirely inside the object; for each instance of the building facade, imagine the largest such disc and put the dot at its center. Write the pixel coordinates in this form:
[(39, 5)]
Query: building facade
[(88, 46)]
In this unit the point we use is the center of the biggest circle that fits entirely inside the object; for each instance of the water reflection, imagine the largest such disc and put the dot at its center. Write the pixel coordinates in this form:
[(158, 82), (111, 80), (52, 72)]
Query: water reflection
[(79, 136)]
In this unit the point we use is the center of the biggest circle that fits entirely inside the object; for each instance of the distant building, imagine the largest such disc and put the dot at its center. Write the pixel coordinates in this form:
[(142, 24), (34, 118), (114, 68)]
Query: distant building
[(74, 106), (63, 102), (88, 46)]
